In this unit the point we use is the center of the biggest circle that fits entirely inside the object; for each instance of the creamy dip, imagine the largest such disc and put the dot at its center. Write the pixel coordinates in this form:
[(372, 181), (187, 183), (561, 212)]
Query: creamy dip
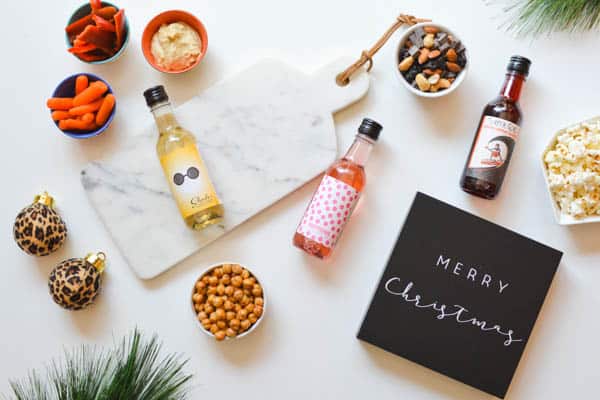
[(176, 46)]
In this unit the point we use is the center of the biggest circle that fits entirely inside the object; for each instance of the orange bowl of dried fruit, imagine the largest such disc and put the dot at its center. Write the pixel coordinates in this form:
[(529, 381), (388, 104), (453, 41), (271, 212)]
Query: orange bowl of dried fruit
[(228, 301)]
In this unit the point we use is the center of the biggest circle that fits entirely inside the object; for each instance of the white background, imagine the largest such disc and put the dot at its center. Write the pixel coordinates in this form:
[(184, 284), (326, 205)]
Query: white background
[(306, 347)]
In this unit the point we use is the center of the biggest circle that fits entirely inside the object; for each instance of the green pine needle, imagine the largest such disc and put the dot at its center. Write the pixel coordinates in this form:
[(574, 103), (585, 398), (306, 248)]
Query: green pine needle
[(132, 371), (536, 17)]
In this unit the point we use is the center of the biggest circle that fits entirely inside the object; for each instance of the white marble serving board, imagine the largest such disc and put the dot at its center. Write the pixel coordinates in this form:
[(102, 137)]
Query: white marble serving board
[(262, 133)]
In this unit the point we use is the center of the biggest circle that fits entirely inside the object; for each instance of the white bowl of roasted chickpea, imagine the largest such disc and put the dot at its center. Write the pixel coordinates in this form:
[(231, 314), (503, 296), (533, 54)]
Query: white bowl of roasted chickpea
[(228, 301)]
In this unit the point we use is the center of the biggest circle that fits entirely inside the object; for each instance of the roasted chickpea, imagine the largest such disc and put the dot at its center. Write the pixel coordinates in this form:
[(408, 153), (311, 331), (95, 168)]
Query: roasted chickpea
[(258, 310), (206, 324), (245, 274), (237, 308), (217, 301), (234, 323), (230, 332), (245, 324), (236, 269), (227, 269), (222, 324), (220, 335), (208, 309), (229, 290), (248, 292), (256, 290), (242, 314), (221, 289), (211, 290), (198, 307), (250, 307), (259, 301), (205, 280), (237, 281), (213, 316), (238, 295), (202, 316), (214, 329), (220, 314), (226, 279), (200, 285), (229, 315), (252, 318), (245, 301), (197, 298), (213, 281), (247, 283), (228, 305), (218, 272)]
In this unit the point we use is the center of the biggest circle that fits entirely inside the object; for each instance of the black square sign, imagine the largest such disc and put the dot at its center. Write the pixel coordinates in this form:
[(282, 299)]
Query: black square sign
[(460, 295)]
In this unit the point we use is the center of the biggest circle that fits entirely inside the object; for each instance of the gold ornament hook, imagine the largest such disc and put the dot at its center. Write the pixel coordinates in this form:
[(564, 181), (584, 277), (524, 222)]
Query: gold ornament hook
[(44, 199), (98, 260)]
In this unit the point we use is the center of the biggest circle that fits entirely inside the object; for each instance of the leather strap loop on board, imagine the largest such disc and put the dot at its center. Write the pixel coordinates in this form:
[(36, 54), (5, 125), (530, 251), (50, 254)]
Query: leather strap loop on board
[(343, 78)]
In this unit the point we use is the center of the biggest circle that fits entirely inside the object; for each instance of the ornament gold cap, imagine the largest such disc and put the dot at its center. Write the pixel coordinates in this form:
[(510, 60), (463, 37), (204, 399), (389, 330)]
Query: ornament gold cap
[(44, 199), (98, 260)]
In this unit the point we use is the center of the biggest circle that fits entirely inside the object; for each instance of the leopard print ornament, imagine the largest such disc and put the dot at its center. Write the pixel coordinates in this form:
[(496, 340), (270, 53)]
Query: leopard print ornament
[(38, 229), (75, 283)]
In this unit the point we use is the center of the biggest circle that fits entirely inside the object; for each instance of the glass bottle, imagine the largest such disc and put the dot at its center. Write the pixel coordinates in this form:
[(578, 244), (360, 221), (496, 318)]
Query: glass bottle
[(335, 198), (182, 165), (496, 136)]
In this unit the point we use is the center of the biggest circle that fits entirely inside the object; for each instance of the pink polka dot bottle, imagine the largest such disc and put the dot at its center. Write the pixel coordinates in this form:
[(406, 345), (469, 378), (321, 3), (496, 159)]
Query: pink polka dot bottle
[(334, 200)]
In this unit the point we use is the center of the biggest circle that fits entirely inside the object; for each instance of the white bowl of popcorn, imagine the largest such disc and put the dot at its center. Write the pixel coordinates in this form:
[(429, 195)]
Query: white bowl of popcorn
[(571, 165)]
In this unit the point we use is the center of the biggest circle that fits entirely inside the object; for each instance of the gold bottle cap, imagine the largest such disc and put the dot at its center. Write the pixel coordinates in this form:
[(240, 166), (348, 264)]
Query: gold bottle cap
[(98, 260), (44, 199)]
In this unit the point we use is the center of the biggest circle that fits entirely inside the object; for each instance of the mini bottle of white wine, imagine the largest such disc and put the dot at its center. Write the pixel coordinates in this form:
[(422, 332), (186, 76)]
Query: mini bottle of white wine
[(184, 169)]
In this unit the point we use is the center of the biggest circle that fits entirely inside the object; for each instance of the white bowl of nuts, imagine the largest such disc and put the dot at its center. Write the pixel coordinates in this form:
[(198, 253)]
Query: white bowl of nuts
[(228, 301), (571, 166), (430, 60)]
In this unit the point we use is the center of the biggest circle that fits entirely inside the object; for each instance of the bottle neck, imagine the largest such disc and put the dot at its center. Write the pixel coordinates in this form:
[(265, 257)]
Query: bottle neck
[(512, 86), (164, 117), (360, 150)]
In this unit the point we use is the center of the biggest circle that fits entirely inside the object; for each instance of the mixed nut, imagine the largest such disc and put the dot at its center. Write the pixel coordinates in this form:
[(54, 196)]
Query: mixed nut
[(228, 300), (430, 59)]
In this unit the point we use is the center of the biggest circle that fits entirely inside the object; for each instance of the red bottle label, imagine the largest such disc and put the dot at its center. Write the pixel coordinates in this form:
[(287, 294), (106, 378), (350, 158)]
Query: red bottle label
[(328, 211), (494, 143)]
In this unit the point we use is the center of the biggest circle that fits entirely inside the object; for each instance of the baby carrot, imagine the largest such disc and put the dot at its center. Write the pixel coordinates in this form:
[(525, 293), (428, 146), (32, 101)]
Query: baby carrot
[(59, 115), (86, 108), (94, 91), (75, 125), (88, 118), (107, 106), (60, 103), (81, 83)]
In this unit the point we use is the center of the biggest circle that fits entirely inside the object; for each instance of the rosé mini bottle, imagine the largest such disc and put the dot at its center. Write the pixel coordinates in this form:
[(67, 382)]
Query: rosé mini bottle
[(337, 194)]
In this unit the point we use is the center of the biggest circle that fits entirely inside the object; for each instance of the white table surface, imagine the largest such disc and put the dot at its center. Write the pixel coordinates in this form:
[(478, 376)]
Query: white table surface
[(306, 347)]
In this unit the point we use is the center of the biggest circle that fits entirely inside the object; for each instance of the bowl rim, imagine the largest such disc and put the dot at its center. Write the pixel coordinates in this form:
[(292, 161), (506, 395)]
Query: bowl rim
[(560, 217), (195, 314), (114, 56), (147, 36), (89, 134), (459, 79)]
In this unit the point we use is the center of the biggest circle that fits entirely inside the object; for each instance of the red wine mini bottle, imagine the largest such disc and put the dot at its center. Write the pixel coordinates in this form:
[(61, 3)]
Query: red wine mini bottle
[(332, 204), (496, 136)]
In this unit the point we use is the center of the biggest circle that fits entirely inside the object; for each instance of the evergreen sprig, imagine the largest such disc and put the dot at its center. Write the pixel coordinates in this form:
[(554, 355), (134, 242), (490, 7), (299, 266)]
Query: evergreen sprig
[(536, 17), (132, 371)]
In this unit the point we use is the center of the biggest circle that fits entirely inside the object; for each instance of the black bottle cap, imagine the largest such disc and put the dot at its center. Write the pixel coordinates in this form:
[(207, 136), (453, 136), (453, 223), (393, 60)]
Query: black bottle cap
[(519, 64), (370, 128), (155, 95)]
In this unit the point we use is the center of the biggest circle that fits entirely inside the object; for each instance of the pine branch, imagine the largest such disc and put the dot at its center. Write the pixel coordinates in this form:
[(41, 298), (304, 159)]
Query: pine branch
[(132, 371), (536, 17)]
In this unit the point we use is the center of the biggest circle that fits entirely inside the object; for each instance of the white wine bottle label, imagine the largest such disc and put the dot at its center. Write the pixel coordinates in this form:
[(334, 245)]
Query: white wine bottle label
[(494, 143), (328, 211), (189, 181)]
